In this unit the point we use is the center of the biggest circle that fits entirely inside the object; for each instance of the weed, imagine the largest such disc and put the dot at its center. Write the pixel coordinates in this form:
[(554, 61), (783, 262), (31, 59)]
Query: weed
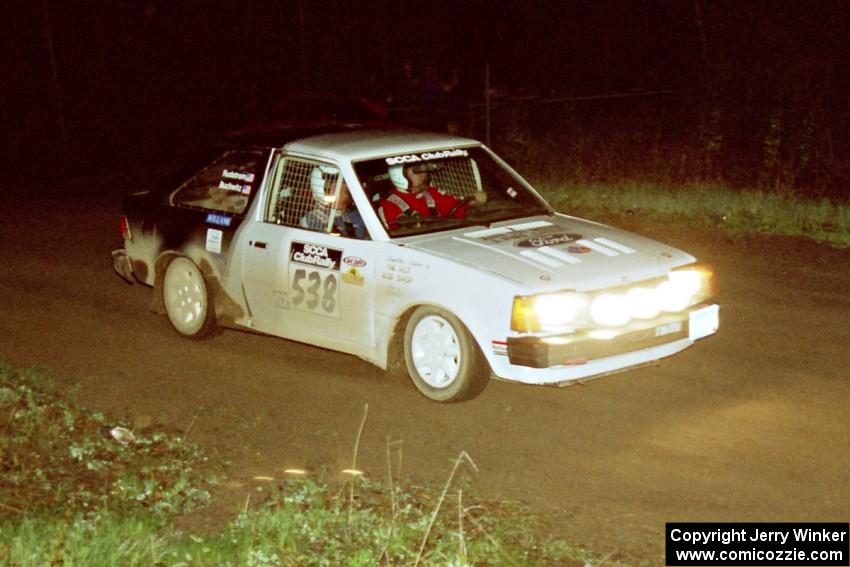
[(72, 494)]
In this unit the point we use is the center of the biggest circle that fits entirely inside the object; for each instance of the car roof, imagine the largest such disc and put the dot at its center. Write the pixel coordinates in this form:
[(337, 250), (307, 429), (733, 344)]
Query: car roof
[(275, 135), (351, 142)]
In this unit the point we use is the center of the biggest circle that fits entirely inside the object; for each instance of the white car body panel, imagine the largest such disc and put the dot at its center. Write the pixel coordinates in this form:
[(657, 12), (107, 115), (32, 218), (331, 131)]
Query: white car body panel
[(267, 276), (607, 257)]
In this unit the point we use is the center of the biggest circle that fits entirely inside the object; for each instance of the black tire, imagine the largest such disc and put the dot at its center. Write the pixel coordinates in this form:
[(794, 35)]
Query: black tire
[(186, 299), (442, 359)]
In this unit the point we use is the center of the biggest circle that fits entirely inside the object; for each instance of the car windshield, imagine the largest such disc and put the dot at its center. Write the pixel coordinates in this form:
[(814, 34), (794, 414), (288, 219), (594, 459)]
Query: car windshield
[(456, 187)]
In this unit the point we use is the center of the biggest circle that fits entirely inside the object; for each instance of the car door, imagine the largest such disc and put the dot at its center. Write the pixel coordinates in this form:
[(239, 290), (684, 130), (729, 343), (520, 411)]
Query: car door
[(303, 278)]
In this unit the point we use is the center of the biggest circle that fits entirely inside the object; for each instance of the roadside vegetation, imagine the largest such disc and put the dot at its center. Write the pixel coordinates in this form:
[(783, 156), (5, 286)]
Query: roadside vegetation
[(78, 489), (707, 205), (684, 159)]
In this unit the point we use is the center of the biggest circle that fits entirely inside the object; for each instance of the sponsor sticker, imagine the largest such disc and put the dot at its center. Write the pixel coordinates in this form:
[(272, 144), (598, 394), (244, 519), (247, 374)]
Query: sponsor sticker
[(551, 239), (220, 220), (510, 234), (353, 276), (315, 255), (246, 177), (228, 186), (355, 261), (214, 237)]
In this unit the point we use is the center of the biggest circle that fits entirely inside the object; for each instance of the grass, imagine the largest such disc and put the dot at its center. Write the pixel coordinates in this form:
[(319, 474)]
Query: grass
[(736, 212), (63, 458), (71, 493), (304, 523)]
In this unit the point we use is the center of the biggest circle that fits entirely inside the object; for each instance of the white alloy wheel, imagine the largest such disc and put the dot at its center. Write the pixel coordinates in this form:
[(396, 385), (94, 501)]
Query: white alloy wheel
[(442, 358), (435, 350), (184, 292)]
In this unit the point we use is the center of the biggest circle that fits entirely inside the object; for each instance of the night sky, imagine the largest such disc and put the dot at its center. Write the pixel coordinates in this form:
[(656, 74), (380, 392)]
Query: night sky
[(138, 73)]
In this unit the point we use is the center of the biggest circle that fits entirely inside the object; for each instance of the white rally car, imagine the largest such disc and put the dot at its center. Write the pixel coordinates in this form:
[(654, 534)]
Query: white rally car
[(279, 233)]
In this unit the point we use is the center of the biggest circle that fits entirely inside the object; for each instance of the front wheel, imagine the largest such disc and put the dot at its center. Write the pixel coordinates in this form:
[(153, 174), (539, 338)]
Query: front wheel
[(187, 302), (442, 358)]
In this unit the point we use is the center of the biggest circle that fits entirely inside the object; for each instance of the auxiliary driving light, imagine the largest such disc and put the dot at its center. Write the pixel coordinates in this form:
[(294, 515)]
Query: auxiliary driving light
[(610, 309), (643, 302), (564, 311)]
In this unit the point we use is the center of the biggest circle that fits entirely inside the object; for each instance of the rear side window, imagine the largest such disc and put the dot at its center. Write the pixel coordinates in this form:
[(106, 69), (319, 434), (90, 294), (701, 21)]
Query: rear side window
[(225, 185)]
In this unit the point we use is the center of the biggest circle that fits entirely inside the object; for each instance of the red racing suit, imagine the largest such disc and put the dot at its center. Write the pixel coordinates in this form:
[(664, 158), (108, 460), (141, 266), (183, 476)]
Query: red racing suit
[(429, 202)]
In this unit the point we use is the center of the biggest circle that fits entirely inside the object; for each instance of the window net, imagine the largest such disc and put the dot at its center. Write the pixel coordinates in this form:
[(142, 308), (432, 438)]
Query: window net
[(293, 201), (457, 177)]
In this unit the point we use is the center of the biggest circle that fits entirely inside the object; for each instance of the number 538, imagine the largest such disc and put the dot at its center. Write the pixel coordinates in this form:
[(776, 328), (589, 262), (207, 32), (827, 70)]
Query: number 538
[(312, 290)]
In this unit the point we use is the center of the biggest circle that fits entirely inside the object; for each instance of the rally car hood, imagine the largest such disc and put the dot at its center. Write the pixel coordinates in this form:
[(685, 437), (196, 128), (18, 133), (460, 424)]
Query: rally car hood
[(556, 252)]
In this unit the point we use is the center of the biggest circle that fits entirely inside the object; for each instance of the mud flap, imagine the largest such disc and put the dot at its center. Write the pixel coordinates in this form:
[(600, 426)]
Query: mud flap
[(121, 264)]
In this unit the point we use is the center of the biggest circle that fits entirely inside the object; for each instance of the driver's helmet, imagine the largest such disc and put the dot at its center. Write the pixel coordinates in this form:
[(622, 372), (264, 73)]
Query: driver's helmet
[(399, 179), (323, 192), (397, 176)]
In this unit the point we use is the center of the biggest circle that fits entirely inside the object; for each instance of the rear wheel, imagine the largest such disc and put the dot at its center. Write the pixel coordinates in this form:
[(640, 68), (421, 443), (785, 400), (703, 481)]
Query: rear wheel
[(187, 303), (442, 358)]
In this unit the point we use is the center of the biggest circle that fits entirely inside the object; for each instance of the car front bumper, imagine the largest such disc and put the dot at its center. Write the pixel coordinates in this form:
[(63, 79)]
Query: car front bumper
[(586, 346)]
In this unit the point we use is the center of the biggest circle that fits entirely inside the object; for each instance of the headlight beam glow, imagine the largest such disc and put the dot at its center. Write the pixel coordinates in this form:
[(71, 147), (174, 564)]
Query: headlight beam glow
[(558, 311)]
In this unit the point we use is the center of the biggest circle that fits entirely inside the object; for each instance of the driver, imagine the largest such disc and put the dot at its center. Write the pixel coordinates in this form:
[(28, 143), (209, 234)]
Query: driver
[(413, 195)]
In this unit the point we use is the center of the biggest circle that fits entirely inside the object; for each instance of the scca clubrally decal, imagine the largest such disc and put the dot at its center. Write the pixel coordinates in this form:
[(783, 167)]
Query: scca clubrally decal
[(315, 255)]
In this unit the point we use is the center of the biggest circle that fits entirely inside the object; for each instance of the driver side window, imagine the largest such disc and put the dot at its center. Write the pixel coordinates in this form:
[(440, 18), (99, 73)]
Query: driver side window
[(312, 195)]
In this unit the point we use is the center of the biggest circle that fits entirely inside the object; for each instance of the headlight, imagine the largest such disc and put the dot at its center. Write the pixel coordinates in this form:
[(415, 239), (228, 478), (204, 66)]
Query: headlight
[(557, 310), (552, 311)]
